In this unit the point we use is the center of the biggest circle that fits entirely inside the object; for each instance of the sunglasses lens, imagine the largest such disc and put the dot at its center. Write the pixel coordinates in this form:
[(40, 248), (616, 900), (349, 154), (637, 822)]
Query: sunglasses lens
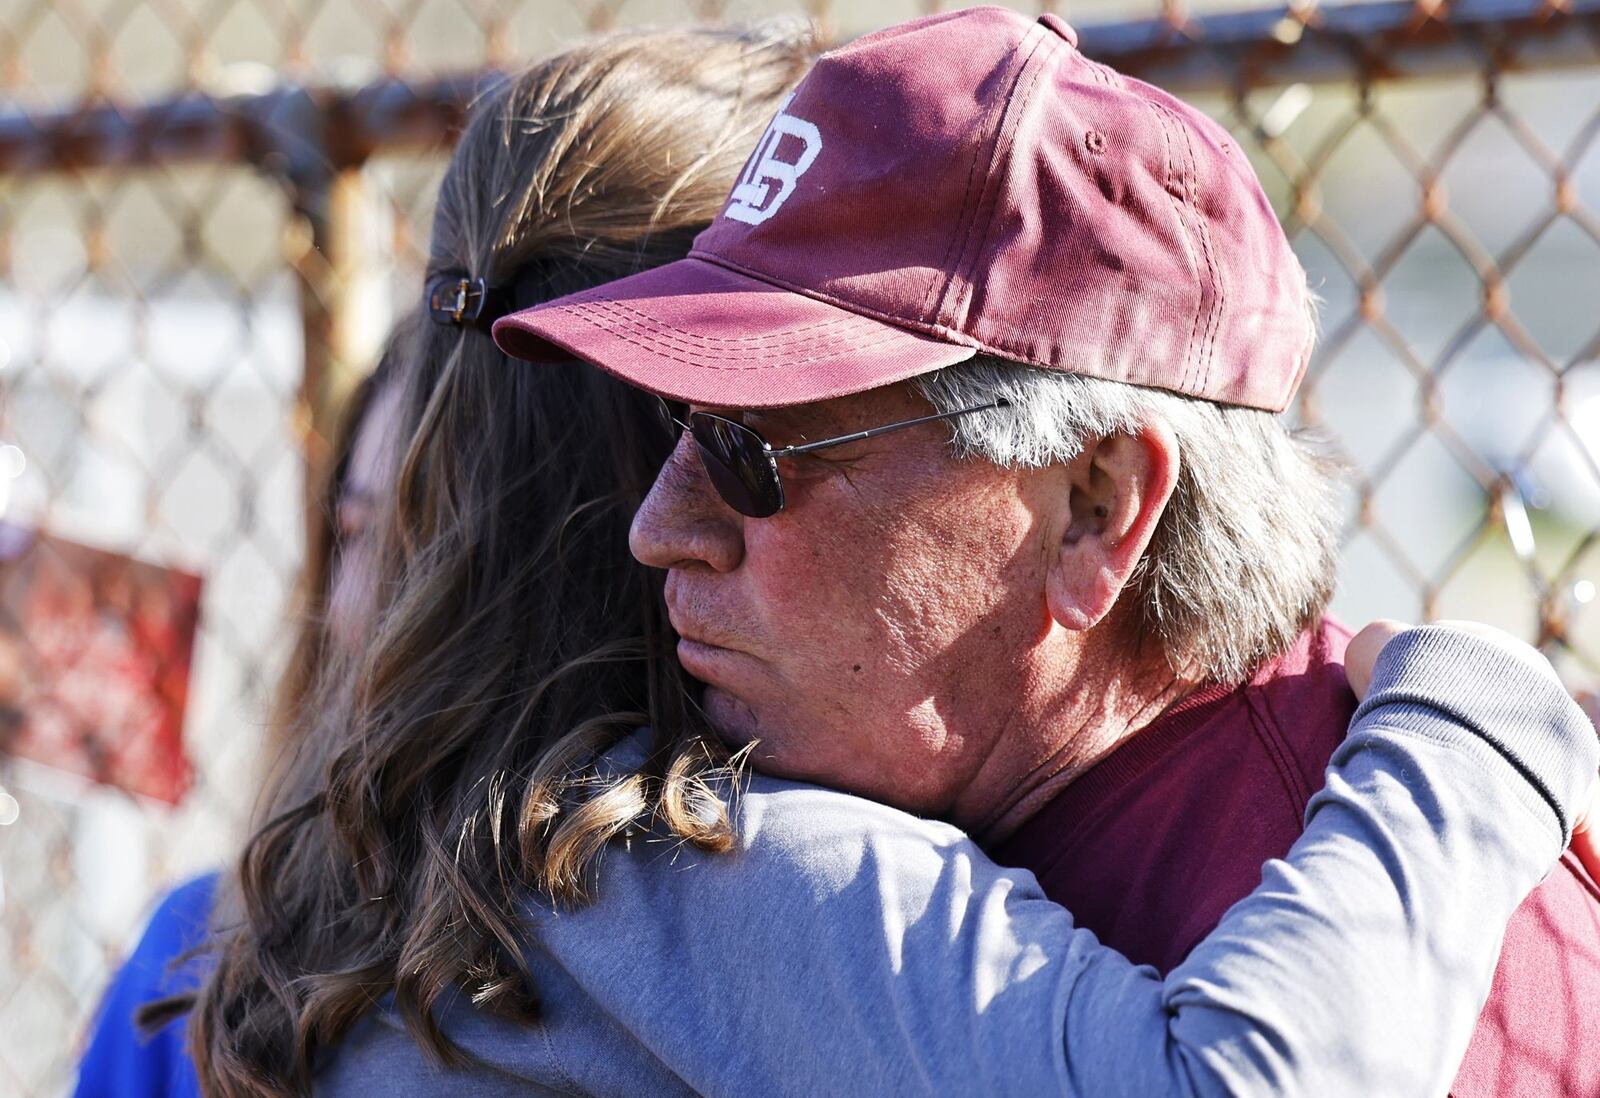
[(738, 464)]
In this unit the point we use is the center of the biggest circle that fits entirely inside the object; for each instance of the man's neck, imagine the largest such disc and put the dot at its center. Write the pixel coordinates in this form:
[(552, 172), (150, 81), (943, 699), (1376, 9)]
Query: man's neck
[(1065, 728)]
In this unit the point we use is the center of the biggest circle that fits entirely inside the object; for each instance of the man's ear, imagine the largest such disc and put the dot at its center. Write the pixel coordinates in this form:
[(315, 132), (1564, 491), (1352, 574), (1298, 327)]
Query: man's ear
[(1119, 488)]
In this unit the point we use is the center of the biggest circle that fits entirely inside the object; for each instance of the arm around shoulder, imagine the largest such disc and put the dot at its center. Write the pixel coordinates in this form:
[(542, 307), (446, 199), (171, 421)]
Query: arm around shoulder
[(848, 946)]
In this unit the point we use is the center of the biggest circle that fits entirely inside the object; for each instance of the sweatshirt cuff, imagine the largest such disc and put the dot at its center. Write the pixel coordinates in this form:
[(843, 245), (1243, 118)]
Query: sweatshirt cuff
[(1513, 702)]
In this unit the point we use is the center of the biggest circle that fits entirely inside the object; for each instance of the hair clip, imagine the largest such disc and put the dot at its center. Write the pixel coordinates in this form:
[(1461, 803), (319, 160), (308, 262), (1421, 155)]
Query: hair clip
[(457, 301)]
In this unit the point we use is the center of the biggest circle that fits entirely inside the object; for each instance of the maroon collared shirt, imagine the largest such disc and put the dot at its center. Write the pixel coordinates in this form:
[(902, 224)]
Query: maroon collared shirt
[(1155, 842)]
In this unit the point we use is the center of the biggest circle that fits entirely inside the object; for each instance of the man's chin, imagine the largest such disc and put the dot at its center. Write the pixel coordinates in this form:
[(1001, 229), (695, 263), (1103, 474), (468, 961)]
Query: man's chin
[(731, 719), (736, 724)]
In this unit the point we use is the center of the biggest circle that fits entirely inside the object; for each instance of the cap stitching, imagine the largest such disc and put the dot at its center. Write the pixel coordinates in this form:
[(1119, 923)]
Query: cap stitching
[(776, 341), (664, 353), (1106, 77), (786, 335), (936, 286), (621, 303), (1003, 144), (965, 225), (1196, 349), (719, 349), (1218, 291), (1215, 317), (691, 346), (1183, 229)]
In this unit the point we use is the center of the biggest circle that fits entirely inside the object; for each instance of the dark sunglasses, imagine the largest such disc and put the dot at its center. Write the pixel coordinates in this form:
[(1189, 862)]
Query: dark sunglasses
[(743, 466)]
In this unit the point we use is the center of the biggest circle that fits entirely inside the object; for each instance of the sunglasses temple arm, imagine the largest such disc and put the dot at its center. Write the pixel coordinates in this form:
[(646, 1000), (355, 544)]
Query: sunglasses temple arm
[(806, 448)]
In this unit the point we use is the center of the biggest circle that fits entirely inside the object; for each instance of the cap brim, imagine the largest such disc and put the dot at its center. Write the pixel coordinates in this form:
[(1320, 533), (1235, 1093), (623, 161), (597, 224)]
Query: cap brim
[(698, 332)]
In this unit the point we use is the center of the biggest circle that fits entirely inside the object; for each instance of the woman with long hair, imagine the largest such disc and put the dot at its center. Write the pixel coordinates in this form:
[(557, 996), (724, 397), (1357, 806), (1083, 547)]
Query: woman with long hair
[(513, 631), (390, 926)]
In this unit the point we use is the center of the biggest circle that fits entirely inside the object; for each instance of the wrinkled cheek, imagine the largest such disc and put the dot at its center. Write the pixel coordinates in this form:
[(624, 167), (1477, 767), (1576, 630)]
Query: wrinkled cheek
[(822, 603)]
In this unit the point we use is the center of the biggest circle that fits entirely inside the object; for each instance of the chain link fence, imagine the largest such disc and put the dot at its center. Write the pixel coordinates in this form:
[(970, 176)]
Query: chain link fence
[(210, 210)]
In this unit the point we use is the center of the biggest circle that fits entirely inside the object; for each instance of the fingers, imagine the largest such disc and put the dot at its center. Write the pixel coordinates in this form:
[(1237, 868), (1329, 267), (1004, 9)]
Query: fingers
[(1586, 833), (1361, 656), (1586, 828), (1590, 701)]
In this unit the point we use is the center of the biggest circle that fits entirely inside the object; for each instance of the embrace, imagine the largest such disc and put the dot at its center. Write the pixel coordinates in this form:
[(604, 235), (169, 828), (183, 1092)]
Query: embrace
[(844, 615)]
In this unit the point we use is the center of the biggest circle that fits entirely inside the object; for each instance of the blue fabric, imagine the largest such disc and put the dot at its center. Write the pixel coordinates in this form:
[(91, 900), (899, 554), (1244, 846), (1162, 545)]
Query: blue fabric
[(121, 1061), (847, 948)]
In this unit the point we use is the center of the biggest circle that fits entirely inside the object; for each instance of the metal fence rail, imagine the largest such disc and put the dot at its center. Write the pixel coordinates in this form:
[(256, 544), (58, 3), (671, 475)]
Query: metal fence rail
[(191, 274)]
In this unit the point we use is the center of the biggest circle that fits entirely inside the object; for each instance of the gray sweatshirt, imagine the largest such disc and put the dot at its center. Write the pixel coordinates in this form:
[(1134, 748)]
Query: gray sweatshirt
[(847, 948)]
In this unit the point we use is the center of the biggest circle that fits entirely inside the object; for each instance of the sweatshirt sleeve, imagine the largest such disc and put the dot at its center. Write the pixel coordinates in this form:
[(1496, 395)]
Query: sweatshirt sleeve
[(846, 947)]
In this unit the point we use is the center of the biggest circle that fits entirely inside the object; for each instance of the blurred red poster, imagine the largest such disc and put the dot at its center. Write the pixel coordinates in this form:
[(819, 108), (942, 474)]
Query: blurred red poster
[(95, 650)]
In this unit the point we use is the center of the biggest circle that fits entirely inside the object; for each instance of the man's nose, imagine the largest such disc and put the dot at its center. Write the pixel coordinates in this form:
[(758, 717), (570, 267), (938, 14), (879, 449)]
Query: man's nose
[(683, 522)]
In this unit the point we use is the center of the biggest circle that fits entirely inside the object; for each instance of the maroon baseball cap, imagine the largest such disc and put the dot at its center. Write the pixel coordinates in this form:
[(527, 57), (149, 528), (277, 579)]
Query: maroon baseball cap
[(963, 183)]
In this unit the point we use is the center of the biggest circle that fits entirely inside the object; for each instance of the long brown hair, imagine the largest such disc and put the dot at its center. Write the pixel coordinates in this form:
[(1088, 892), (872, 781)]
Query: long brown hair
[(449, 768)]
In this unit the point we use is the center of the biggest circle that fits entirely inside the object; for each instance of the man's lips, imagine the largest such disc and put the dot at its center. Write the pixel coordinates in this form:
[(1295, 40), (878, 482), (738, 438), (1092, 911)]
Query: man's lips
[(706, 662), (704, 651), (697, 632), (693, 631)]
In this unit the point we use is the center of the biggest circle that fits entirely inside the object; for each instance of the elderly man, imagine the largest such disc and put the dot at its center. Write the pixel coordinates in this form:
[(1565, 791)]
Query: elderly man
[(1091, 631)]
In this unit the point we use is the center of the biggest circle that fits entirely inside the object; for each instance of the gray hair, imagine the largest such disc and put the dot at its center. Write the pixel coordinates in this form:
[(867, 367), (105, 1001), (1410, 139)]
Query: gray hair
[(1243, 558)]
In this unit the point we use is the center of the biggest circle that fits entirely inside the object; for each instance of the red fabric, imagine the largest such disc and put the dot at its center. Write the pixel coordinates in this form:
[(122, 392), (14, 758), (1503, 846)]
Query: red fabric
[(972, 178), (1153, 844)]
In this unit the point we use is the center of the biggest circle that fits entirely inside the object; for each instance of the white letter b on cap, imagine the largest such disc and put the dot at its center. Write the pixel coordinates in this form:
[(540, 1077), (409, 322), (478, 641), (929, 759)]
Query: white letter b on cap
[(753, 199)]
